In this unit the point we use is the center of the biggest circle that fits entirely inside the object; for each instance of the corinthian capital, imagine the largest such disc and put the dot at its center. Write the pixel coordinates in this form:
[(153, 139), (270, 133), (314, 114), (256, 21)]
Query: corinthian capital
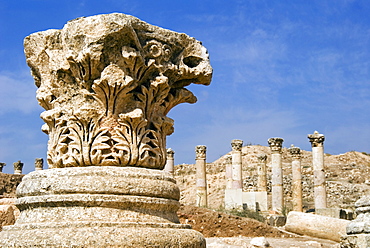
[(236, 145), (275, 144), (316, 139), (170, 153), (200, 152), (295, 152), (107, 83)]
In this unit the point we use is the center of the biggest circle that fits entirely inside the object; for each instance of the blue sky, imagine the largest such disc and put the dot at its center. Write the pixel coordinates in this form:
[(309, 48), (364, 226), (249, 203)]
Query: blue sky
[(281, 69)]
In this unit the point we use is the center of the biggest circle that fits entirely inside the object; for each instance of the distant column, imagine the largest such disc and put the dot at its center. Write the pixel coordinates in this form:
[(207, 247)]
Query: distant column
[(277, 174), (317, 142), (261, 167), (170, 164), (295, 152), (229, 172), (18, 166), (1, 166), (39, 164), (236, 154), (200, 164)]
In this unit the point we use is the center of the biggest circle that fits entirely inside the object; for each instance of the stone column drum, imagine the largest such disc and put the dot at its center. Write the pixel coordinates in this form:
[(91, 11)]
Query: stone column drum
[(236, 157), (107, 83), (295, 152), (228, 172), (317, 142), (277, 174), (18, 166), (261, 167), (39, 164), (170, 163), (200, 164)]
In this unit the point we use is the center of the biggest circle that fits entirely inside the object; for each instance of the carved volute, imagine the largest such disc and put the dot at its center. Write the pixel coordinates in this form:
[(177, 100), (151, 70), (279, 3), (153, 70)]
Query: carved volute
[(107, 84)]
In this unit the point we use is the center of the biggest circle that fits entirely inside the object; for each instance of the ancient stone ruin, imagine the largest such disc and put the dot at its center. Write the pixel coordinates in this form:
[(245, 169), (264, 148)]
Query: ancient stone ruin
[(107, 83)]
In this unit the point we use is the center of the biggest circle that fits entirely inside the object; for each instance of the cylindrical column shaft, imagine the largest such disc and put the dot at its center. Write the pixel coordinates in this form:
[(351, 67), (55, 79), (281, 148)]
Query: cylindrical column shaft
[(200, 164), (236, 157), (277, 174), (229, 172), (296, 178), (317, 142), (170, 163), (261, 167)]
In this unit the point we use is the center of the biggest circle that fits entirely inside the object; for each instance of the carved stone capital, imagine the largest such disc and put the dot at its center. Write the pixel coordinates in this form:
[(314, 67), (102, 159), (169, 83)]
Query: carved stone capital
[(1, 166), (170, 153), (200, 152), (316, 139), (295, 152), (107, 83), (236, 145), (262, 158), (39, 163), (275, 144), (18, 166)]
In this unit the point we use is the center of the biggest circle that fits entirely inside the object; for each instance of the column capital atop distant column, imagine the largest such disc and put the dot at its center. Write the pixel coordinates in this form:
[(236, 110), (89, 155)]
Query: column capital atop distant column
[(294, 151), (262, 157), (316, 139), (170, 153), (200, 152), (275, 144), (236, 144)]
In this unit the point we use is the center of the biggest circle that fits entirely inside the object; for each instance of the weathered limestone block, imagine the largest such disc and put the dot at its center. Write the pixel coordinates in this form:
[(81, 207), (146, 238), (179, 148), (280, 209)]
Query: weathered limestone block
[(358, 230), (316, 225), (107, 83), (6, 215)]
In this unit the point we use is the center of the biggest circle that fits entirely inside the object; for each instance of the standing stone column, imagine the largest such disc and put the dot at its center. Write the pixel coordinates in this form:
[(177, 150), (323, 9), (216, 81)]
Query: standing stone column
[(261, 167), (39, 164), (277, 174), (236, 157), (200, 164), (229, 172), (317, 142), (170, 163), (1, 166), (295, 152), (18, 166), (107, 83)]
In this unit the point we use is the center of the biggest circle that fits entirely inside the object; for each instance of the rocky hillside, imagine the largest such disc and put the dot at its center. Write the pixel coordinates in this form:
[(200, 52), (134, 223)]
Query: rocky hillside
[(346, 176)]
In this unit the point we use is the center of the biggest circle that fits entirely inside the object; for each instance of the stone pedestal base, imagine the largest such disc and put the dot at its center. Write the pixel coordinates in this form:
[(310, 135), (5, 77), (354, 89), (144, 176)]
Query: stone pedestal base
[(255, 201), (233, 199), (99, 207)]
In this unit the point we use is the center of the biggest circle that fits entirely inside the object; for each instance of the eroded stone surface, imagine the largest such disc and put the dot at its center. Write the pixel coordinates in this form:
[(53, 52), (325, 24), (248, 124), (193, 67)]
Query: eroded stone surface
[(107, 83)]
